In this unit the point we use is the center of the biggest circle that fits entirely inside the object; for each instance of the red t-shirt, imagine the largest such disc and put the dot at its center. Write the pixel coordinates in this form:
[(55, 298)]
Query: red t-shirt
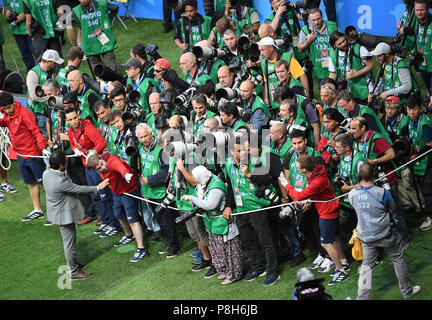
[(117, 169), (25, 135)]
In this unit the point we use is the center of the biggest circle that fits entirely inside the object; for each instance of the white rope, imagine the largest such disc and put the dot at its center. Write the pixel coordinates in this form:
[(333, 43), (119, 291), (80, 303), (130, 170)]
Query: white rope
[(295, 202), (4, 146)]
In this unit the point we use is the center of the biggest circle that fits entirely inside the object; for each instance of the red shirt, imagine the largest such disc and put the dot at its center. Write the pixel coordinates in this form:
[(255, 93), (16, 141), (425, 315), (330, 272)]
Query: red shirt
[(85, 138), (319, 188), (117, 169), (24, 133)]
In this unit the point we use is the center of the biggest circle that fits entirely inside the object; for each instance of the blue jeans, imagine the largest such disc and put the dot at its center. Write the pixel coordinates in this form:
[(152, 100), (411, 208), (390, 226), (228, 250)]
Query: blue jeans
[(149, 218), (41, 121), (103, 200), (25, 46)]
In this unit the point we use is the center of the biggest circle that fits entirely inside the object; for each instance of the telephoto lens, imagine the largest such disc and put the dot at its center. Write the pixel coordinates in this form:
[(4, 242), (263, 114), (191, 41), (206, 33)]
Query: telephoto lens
[(168, 200)]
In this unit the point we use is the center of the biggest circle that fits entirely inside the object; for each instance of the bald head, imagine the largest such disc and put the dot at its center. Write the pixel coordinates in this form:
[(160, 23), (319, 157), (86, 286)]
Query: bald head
[(187, 62), (247, 89), (225, 76), (278, 131), (75, 80), (266, 30), (211, 125)]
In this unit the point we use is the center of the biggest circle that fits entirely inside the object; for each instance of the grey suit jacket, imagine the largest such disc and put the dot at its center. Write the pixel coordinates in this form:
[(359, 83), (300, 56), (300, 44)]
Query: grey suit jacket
[(63, 204)]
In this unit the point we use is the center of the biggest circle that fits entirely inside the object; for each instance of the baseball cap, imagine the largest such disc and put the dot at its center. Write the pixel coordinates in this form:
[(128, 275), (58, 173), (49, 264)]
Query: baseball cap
[(267, 41), (381, 48), (162, 63), (52, 55), (132, 63), (392, 99)]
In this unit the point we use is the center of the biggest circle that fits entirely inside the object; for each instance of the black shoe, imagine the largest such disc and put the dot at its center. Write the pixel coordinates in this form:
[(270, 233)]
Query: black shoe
[(168, 28), (298, 260), (171, 253), (203, 265), (156, 236), (148, 233), (211, 273), (164, 250)]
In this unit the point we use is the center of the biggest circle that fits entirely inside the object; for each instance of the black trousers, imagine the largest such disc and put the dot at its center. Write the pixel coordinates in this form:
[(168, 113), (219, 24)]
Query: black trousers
[(249, 225), (166, 220), (309, 231)]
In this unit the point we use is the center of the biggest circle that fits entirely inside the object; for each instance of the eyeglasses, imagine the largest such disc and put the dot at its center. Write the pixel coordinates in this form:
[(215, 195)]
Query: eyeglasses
[(157, 71), (118, 100)]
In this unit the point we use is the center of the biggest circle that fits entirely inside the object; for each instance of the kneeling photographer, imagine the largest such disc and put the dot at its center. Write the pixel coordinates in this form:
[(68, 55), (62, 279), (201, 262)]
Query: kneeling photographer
[(224, 242)]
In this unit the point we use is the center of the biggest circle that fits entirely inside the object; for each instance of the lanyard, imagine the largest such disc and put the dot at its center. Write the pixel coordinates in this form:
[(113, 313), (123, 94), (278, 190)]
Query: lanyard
[(83, 93), (239, 174), (88, 15), (147, 154), (317, 41), (103, 129), (137, 84)]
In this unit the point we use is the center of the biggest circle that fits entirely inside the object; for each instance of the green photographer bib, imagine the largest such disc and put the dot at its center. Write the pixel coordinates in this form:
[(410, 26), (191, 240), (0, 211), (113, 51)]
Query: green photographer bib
[(150, 165), (213, 219), (17, 6), (43, 12), (416, 129)]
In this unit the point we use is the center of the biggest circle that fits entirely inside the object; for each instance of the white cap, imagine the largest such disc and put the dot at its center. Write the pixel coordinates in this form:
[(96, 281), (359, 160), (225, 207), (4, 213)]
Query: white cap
[(52, 55), (381, 48), (267, 41)]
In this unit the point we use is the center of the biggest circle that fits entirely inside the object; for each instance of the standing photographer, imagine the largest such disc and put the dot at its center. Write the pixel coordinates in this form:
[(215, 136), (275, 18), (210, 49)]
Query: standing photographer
[(97, 37), (41, 19), (255, 111), (352, 64), (16, 22), (375, 231), (192, 26)]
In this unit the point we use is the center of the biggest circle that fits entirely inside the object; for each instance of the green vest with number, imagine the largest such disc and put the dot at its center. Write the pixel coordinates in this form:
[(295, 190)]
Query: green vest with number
[(367, 149), (196, 34), (244, 189), (85, 107), (43, 12), (150, 165), (410, 39), (366, 110), (143, 88), (16, 5), (198, 126), (39, 107), (108, 132), (90, 23), (423, 42), (189, 190), (320, 45), (359, 85), (268, 69), (213, 219), (391, 78), (298, 180), (348, 170), (416, 136)]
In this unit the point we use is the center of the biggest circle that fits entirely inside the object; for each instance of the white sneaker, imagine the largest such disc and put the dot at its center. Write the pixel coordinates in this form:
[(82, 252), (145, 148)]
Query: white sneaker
[(326, 266), (415, 290), (1, 196), (316, 263), (426, 225)]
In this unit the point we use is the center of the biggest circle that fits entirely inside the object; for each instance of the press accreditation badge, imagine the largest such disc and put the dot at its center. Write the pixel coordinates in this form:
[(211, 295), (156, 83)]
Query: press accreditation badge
[(325, 59), (295, 40), (102, 37), (238, 198)]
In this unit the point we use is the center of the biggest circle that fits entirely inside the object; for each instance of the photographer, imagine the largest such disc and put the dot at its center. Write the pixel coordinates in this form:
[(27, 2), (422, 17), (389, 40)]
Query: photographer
[(104, 125), (86, 96), (242, 15), (139, 81), (40, 21), (346, 101), (211, 64), (423, 41), (158, 118), (282, 70), (306, 216), (97, 37), (420, 133), (271, 54), (375, 231), (47, 68), (154, 174), (199, 113), (75, 57), (225, 246), (347, 175), (284, 20), (230, 117), (242, 197), (328, 94), (314, 39), (279, 139), (352, 64), (332, 119), (160, 66), (226, 78), (192, 26), (290, 115), (255, 111), (406, 25), (16, 22), (139, 51), (118, 98), (396, 79), (191, 73)]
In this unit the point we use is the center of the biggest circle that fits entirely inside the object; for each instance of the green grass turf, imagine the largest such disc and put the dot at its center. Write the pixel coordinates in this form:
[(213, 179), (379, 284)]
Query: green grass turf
[(31, 254)]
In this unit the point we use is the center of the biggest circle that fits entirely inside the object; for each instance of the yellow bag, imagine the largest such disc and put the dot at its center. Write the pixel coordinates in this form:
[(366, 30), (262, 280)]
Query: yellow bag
[(356, 250)]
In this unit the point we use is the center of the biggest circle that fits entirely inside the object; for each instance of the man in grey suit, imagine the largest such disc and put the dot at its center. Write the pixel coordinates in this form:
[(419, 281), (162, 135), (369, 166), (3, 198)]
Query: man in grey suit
[(65, 209)]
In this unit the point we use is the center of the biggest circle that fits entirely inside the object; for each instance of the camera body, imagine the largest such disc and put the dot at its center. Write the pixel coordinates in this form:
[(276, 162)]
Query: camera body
[(186, 215), (152, 51), (167, 201), (12, 17), (339, 181), (377, 105)]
